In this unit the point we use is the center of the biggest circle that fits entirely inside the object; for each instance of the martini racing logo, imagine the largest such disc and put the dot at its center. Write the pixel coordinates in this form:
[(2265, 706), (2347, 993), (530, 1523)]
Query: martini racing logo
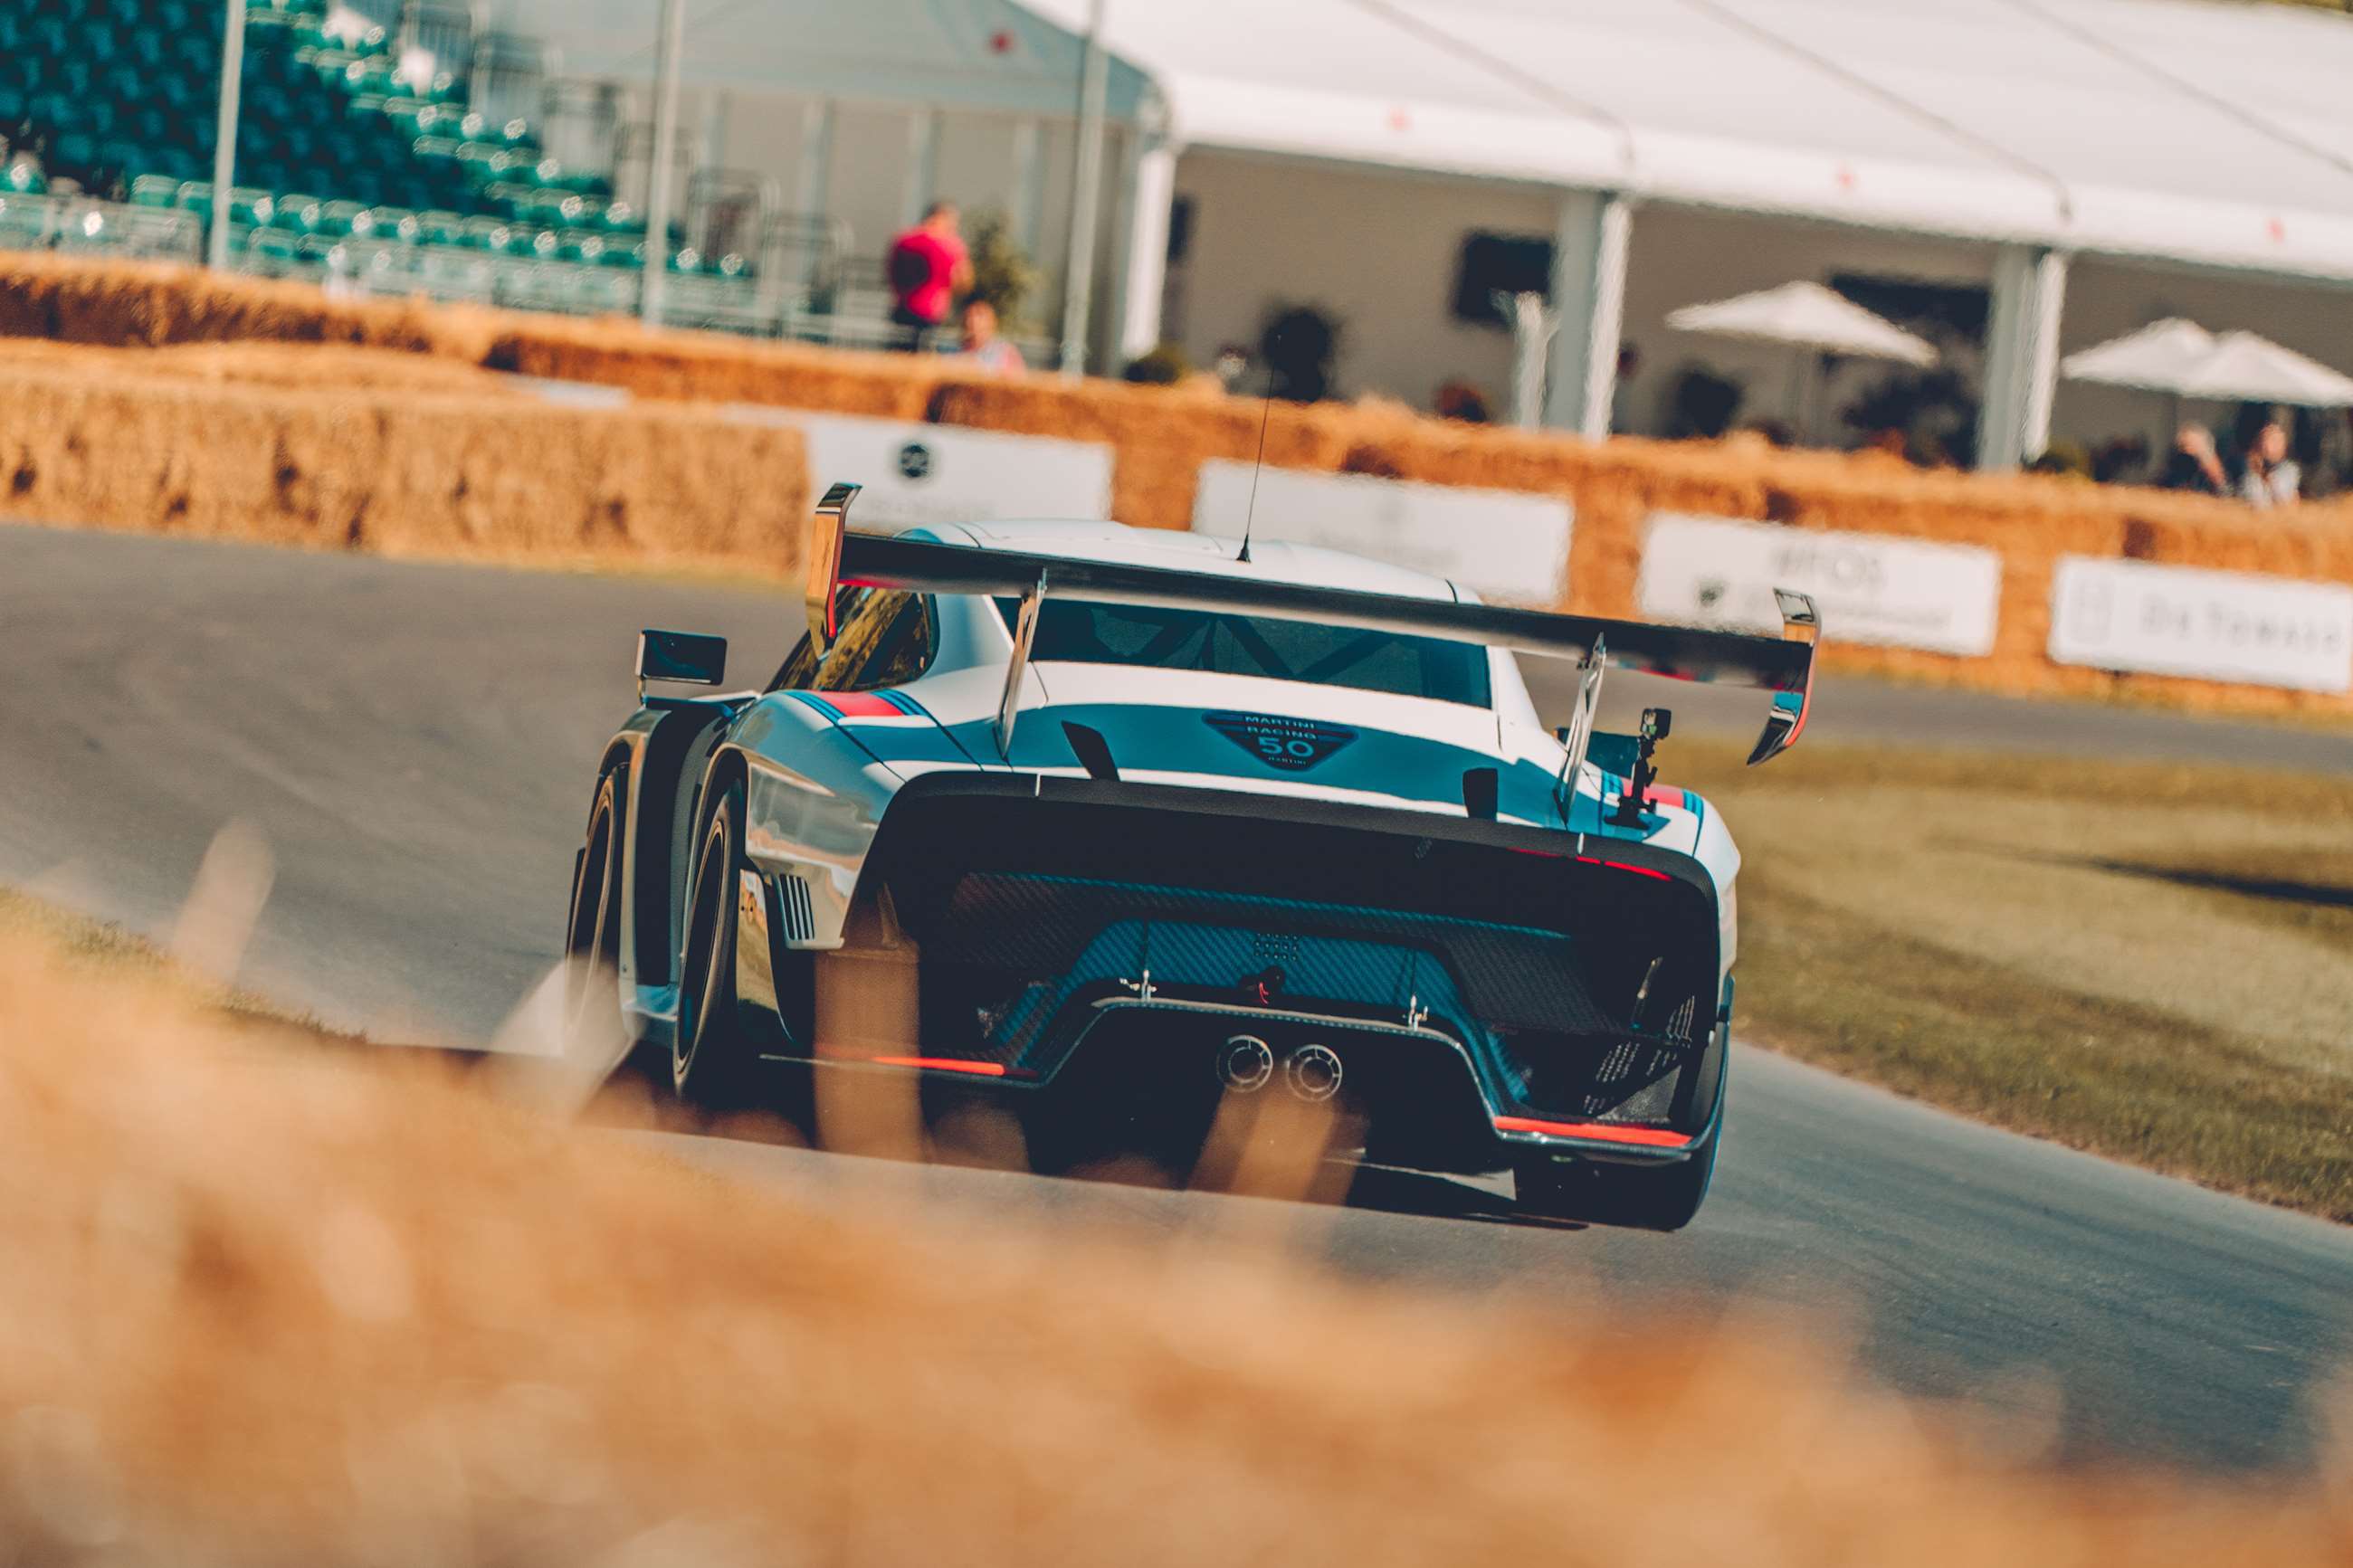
[(1291, 745)]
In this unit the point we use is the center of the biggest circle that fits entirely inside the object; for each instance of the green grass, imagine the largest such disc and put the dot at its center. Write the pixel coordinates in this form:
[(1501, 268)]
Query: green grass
[(2149, 961)]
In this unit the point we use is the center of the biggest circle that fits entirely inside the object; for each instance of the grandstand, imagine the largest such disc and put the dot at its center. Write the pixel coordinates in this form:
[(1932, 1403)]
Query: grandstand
[(357, 165)]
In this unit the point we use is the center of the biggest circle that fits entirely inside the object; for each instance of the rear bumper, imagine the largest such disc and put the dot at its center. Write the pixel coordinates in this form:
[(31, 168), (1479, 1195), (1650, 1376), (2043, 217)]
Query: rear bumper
[(1490, 991)]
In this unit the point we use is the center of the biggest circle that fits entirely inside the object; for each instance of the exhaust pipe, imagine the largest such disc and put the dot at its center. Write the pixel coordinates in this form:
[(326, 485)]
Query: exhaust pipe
[(1245, 1064), (1312, 1073)]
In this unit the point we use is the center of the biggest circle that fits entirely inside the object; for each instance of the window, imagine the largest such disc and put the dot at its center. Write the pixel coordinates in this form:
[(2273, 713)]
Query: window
[(887, 639), (1079, 633), (1494, 264)]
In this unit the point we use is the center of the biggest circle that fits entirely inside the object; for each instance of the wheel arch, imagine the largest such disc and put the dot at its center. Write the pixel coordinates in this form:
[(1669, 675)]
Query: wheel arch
[(662, 750)]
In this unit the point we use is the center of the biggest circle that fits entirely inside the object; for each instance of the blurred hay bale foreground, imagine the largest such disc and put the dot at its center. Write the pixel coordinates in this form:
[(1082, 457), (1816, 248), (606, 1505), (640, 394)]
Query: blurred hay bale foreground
[(406, 354), (276, 1303)]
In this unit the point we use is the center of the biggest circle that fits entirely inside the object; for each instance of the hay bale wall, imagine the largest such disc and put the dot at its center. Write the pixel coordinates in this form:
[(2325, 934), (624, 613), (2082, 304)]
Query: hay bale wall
[(406, 473), (1160, 438)]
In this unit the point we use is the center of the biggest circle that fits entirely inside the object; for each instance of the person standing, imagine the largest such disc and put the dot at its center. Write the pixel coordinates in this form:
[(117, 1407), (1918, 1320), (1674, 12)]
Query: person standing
[(2271, 478), (928, 266)]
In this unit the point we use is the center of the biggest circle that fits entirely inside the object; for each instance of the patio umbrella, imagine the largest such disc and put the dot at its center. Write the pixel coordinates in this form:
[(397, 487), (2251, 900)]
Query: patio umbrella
[(1806, 317), (2158, 358), (2186, 360), (2245, 368)]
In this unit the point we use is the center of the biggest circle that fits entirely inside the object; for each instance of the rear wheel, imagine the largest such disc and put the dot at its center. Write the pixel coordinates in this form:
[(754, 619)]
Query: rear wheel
[(592, 945), (1641, 1197), (711, 1063)]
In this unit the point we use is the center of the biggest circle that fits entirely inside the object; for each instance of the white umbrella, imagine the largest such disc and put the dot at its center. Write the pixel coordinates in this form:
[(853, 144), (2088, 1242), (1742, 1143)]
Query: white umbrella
[(2158, 358), (1807, 316), (2245, 368), (2186, 360)]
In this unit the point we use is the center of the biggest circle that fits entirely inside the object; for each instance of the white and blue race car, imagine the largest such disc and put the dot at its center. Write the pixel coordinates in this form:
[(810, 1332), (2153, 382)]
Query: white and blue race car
[(1113, 824)]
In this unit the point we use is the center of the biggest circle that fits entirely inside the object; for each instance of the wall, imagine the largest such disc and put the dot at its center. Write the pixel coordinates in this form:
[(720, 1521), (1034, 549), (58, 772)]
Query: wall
[(1378, 251)]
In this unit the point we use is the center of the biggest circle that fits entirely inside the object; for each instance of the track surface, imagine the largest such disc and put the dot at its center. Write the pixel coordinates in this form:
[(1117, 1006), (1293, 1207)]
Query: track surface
[(416, 741)]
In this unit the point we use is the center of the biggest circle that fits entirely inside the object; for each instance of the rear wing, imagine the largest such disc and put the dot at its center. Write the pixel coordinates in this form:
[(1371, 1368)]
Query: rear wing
[(835, 557)]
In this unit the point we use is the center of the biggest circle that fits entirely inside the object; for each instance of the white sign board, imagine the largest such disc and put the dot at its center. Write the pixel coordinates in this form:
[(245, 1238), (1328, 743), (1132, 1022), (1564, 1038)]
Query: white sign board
[(2220, 625), (1869, 588), (1503, 545), (944, 473)]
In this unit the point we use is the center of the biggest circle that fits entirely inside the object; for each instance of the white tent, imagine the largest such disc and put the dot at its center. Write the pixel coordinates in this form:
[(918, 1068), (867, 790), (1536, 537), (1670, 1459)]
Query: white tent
[(1807, 316), (2178, 131), (2200, 133)]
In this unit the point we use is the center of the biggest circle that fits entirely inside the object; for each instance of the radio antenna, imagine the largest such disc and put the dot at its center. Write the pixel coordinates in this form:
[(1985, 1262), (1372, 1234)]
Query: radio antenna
[(1250, 515)]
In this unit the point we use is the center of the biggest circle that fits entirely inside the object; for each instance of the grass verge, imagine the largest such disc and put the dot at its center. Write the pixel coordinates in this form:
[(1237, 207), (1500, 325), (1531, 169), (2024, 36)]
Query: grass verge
[(2149, 962)]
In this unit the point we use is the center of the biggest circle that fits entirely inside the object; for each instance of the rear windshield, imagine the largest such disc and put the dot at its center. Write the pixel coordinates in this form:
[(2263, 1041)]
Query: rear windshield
[(1077, 633)]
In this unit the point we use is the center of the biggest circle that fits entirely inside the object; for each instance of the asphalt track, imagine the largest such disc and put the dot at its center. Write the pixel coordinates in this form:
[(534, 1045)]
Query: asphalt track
[(416, 741)]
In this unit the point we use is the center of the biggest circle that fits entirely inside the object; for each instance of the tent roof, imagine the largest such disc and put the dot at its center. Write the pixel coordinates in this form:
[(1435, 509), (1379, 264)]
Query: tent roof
[(2183, 130), (1807, 316), (2192, 132)]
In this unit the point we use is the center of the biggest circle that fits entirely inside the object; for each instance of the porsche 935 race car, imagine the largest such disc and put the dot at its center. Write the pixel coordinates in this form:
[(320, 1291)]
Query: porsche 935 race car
[(1112, 824)]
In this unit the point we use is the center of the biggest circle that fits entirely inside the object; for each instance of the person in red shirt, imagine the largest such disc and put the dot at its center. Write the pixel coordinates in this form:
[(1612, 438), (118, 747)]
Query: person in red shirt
[(928, 268)]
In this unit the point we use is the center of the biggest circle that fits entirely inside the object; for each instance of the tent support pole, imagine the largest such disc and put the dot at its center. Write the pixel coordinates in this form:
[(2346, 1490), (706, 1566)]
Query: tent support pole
[(1151, 191), (2030, 290), (1086, 185), (1588, 290), (662, 178), (923, 166), (224, 149), (1029, 185)]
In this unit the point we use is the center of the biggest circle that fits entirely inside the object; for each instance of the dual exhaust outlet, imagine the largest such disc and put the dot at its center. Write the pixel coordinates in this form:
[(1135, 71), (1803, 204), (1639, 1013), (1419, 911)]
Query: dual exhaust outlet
[(1311, 1072)]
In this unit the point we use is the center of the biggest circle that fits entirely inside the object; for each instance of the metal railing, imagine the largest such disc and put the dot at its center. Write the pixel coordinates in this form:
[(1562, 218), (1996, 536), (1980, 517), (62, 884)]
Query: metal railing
[(848, 311)]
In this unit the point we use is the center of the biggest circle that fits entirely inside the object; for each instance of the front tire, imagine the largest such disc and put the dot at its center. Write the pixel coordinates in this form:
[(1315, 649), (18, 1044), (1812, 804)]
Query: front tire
[(712, 1062)]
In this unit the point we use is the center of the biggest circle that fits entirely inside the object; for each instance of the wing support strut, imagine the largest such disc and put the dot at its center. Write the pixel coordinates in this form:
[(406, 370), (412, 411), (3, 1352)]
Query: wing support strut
[(1785, 720), (1016, 668), (1577, 737)]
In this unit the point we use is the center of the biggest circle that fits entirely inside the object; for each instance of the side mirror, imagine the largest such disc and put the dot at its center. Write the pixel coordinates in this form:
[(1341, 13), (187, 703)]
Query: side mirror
[(821, 562), (685, 657)]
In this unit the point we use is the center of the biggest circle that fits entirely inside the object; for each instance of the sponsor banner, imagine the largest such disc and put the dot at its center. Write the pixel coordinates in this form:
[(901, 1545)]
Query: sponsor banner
[(944, 473), (1505, 545), (2218, 626), (1869, 588)]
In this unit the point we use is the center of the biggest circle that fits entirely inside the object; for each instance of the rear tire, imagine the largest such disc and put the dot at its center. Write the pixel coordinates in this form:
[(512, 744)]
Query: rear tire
[(711, 1064), (592, 937), (1639, 1198)]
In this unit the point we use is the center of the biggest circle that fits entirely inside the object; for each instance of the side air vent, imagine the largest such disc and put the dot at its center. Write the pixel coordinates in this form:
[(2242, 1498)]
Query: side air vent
[(799, 914)]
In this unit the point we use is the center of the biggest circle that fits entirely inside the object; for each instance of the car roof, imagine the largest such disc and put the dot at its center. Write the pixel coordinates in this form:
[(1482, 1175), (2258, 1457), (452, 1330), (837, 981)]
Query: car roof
[(1271, 560)]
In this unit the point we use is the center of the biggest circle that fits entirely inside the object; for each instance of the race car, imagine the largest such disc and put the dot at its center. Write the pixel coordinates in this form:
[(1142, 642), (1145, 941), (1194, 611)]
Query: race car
[(1112, 826)]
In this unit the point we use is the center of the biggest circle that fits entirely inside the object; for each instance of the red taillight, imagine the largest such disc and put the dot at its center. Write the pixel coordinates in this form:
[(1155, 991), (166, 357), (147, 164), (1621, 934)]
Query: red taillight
[(1598, 1131), (1621, 865), (945, 1064)]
